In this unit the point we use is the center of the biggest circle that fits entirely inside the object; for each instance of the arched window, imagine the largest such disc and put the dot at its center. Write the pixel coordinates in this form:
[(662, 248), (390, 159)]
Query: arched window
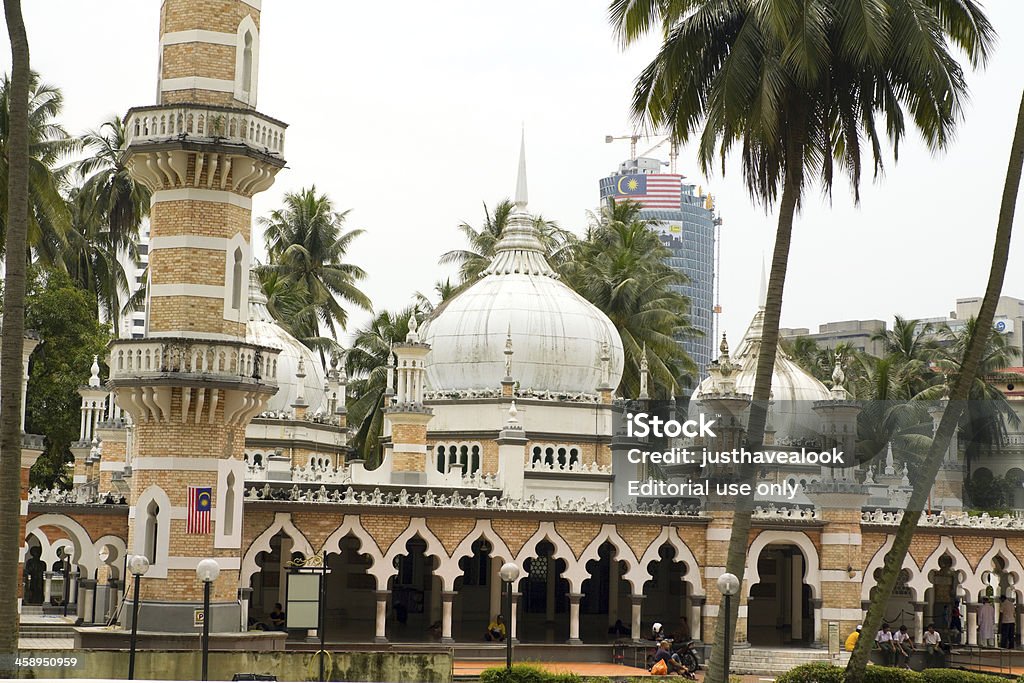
[(236, 281), (152, 527), (229, 505), (441, 462), (247, 63)]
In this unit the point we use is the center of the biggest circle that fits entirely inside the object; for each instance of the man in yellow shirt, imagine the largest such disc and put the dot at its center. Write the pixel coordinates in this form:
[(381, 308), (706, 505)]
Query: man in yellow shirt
[(495, 630), (851, 640)]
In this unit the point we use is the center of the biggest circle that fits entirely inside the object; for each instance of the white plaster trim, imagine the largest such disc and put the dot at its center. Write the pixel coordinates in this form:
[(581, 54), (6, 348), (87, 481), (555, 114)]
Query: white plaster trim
[(255, 4), (197, 83), (186, 289), (718, 534), (78, 479), (712, 611), (239, 315), (112, 466), (801, 540), (229, 538), (840, 538), (198, 35), (188, 242), (24, 508), (409, 448), (198, 194), (249, 97), (173, 463), (178, 562), (842, 613), (840, 576), (713, 572), (282, 522)]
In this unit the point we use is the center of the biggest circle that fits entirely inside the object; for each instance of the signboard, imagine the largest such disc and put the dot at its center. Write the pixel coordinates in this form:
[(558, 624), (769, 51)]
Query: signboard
[(303, 608), (198, 617), (833, 637)]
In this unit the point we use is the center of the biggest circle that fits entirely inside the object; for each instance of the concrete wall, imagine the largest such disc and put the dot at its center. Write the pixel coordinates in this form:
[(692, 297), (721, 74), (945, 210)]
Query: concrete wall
[(287, 666)]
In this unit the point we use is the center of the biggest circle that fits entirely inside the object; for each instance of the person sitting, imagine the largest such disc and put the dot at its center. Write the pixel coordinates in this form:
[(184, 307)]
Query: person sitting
[(672, 663), (932, 642), (495, 630), (278, 618), (883, 639), (683, 633), (851, 640), (435, 630), (618, 629), (904, 646), (657, 632)]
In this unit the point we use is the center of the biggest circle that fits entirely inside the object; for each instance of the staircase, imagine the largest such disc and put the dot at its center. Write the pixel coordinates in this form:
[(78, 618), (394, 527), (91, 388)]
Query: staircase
[(758, 660), (46, 622)]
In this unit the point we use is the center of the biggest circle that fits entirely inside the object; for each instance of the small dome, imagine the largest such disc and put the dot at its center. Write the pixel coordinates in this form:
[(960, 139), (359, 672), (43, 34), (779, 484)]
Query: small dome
[(262, 329), (558, 337), (793, 389)]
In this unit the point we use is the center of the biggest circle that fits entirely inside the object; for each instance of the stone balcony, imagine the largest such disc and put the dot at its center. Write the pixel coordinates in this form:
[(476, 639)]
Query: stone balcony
[(207, 124), (197, 359)]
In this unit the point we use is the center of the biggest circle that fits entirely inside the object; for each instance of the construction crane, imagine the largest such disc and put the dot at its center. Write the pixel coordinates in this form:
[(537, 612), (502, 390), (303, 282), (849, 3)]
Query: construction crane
[(636, 137)]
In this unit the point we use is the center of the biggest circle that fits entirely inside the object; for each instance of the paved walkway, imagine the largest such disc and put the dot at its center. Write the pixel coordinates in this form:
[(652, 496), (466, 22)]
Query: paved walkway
[(475, 666)]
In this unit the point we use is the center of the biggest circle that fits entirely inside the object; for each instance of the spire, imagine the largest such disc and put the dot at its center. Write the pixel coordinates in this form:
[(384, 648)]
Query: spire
[(508, 354), (644, 368), (521, 194)]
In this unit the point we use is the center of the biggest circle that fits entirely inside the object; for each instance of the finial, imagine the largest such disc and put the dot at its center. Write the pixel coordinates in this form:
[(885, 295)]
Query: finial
[(508, 353), (838, 376), (723, 348), (301, 370), (521, 194), (513, 414), (94, 379), (644, 367), (413, 337)]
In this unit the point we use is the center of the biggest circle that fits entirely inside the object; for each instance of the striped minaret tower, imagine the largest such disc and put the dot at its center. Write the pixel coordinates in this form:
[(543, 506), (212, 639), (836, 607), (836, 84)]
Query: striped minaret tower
[(192, 383)]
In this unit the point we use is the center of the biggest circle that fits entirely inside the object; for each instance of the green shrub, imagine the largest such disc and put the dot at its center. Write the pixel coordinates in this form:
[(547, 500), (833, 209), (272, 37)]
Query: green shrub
[(888, 674), (819, 672), (955, 676), (525, 673)]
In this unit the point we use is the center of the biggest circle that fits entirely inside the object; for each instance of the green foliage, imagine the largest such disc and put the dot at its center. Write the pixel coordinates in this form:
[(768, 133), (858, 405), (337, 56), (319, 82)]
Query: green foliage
[(958, 676), (526, 673), (63, 315), (819, 672), (888, 674)]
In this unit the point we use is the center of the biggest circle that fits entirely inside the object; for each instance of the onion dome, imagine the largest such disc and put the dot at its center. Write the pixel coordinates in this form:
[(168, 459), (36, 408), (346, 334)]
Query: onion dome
[(558, 337)]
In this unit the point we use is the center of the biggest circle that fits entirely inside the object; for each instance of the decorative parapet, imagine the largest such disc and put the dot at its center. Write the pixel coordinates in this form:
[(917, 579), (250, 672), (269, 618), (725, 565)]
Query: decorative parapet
[(795, 513), (311, 473), (33, 442), (155, 357), (202, 123), (961, 520), (575, 468), (528, 394), (480, 501)]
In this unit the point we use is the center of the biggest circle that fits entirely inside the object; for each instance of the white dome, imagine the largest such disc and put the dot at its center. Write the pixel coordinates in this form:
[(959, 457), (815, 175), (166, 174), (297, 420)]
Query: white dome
[(558, 337), (793, 388), (262, 329)]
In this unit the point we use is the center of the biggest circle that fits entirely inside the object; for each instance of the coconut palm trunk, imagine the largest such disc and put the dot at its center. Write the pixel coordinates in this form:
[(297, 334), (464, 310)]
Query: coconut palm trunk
[(13, 335), (736, 559), (957, 403)]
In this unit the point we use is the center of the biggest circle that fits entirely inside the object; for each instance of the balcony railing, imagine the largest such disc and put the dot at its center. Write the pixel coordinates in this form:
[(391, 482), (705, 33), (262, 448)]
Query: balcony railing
[(133, 358), (205, 123)]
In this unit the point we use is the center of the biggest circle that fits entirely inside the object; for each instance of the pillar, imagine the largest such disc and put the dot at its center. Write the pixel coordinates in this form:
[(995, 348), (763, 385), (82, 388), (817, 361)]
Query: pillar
[(634, 624), (919, 621), (819, 637), (496, 605), (549, 601), (87, 594), (514, 618), (796, 595), (972, 623), (47, 587), (244, 598), (380, 633), (613, 591), (697, 617), (574, 618), (447, 598)]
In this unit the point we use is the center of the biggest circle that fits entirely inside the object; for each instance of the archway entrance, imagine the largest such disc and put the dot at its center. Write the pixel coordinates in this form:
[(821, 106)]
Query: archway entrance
[(779, 609), (606, 598), (666, 594), (944, 607), (544, 602), (479, 594), (351, 601), (415, 594)]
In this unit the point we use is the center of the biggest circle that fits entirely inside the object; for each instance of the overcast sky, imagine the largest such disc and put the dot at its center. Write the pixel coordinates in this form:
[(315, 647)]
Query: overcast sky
[(409, 114)]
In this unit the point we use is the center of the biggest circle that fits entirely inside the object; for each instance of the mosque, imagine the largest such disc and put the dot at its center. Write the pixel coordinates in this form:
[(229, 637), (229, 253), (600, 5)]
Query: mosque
[(502, 444)]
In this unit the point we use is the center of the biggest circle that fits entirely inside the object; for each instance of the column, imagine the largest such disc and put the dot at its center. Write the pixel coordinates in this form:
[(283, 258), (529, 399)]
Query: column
[(972, 623), (244, 596), (697, 617), (613, 591), (496, 589), (634, 627), (574, 618), (47, 587), (796, 594), (85, 601), (918, 621), (1019, 634), (549, 602), (380, 636), (447, 598), (819, 637), (514, 619)]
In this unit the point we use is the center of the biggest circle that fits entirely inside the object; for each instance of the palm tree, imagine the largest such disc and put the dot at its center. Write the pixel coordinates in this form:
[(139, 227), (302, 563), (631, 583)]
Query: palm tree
[(108, 191), (307, 243), (17, 171), (289, 303), (965, 380), (92, 259), (481, 242), (619, 266), (798, 87), (49, 218), (366, 362)]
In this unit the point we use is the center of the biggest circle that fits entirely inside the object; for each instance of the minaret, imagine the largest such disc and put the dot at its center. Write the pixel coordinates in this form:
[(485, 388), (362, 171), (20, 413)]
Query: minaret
[(193, 384), (406, 415)]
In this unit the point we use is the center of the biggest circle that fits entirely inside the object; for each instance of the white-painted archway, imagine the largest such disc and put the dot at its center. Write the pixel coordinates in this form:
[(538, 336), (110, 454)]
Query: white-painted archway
[(878, 561), (668, 535), (282, 524), (450, 571), (812, 573), (84, 553)]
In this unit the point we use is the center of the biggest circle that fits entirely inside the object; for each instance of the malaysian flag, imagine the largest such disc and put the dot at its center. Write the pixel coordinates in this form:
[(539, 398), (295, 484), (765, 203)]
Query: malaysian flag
[(650, 190), (200, 502)]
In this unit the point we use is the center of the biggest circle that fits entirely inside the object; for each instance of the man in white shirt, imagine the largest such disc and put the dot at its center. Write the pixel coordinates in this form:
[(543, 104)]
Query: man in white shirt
[(884, 641), (904, 645), (1007, 620), (931, 644)]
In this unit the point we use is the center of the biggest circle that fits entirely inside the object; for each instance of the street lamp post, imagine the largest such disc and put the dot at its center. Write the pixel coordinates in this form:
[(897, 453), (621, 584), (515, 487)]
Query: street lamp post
[(728, 586), (137, 565), (207, 571), (509, 573)]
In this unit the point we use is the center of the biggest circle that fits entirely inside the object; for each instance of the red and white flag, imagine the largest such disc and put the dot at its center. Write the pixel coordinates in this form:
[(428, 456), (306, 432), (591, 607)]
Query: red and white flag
[(200, 503)]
